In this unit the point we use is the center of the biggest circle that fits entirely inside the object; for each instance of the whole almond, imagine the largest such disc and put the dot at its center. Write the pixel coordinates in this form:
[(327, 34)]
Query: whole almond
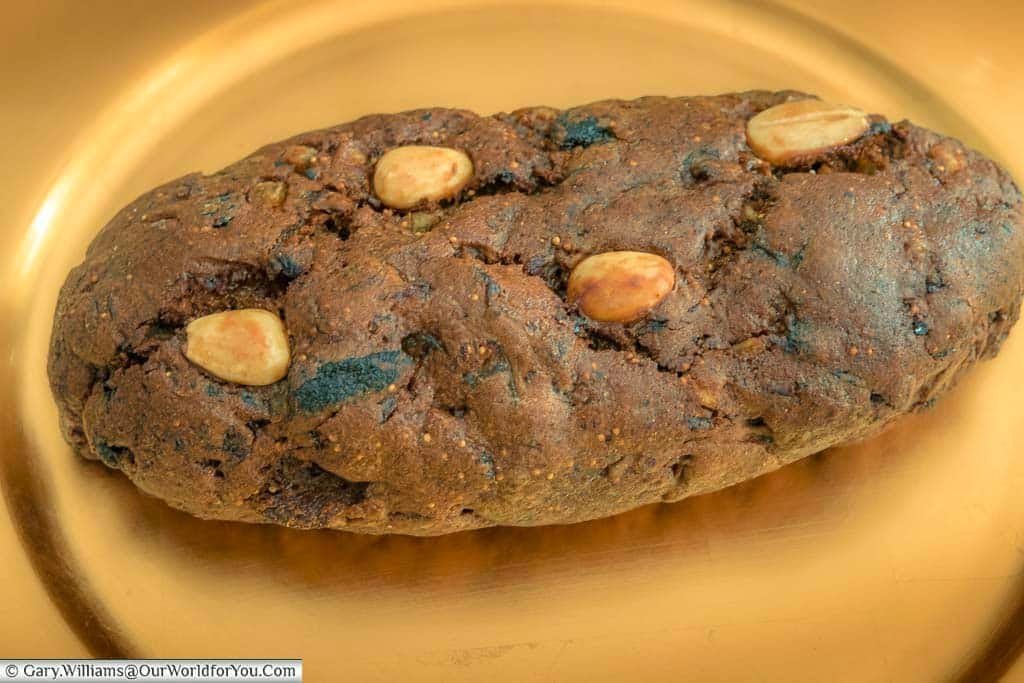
[(620, 286), (247, 346), (407, 176), (803, 128)]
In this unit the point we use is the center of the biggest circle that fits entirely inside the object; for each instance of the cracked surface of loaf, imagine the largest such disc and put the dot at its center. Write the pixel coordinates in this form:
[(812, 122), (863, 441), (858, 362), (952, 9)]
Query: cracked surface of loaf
[(440, 377)]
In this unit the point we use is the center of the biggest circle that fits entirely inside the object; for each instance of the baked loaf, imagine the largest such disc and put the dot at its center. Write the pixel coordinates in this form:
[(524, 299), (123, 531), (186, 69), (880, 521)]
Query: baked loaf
[(432, 321)]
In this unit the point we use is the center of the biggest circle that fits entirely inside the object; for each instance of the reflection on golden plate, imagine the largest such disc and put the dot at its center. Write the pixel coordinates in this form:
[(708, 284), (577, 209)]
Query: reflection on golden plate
[(898, 559)]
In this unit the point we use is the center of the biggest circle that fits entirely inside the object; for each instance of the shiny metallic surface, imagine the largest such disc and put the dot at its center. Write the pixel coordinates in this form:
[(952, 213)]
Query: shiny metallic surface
[(896, 559)]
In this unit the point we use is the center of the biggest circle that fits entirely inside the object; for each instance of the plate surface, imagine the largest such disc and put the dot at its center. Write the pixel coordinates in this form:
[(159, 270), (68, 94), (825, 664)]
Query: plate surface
[(897, 559)]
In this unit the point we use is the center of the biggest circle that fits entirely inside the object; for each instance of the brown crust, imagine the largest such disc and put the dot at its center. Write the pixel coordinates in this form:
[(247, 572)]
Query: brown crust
[(440, 380)]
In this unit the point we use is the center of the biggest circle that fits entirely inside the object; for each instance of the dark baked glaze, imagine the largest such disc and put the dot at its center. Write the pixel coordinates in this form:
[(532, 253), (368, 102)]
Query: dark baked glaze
[(814, 304)]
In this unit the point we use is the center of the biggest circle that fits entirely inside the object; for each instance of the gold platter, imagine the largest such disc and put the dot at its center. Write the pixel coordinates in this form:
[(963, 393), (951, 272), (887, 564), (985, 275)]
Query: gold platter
[(899, 559)]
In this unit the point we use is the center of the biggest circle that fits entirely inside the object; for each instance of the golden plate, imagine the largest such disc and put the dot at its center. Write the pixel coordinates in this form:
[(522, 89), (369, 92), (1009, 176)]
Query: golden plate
[(898, 560)]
